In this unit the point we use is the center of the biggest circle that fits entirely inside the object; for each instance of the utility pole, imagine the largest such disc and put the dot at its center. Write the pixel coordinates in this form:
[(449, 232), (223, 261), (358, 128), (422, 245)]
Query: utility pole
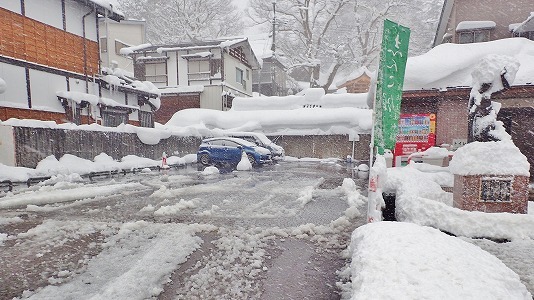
[(273, 56)]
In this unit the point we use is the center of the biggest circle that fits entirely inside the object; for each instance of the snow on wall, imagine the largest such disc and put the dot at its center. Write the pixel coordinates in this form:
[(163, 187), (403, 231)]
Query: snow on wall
[(15, 94), (45, 11), (44, 87), (451, 65), (11, 5)]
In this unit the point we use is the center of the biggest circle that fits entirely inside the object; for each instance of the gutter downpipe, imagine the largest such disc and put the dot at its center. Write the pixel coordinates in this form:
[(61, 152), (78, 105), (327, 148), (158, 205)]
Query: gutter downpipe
[(85, 50)]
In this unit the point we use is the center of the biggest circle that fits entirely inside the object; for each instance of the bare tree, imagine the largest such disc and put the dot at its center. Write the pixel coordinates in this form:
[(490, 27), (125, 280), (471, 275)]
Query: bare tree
[(336, 36), (171, 21)]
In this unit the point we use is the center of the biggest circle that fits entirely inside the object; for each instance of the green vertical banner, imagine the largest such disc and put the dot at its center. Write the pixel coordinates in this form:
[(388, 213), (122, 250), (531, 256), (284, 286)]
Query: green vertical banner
[(390, 80)]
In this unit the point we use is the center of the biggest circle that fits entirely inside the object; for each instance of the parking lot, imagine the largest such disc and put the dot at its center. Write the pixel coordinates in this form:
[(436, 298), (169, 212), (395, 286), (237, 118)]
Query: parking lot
[(276, 232)]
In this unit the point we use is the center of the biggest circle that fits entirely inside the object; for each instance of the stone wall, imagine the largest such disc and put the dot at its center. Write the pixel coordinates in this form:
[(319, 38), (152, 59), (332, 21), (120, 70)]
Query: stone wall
[(466, 195)]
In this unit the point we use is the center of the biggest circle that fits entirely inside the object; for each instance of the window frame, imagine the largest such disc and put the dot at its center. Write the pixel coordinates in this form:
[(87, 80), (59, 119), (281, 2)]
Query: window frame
[(239, 73), (156, 77)]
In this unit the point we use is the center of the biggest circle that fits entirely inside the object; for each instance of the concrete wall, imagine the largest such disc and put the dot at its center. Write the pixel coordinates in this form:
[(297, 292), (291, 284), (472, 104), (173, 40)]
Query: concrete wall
[(29, 145), (324, 146), (34, 144)]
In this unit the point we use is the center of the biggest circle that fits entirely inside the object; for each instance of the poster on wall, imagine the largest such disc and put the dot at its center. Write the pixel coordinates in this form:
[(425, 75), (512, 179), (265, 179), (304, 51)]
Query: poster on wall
[(417, 132)]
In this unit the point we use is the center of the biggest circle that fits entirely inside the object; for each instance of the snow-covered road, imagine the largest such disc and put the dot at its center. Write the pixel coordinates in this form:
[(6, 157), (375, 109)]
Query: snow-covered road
[(277, 232)]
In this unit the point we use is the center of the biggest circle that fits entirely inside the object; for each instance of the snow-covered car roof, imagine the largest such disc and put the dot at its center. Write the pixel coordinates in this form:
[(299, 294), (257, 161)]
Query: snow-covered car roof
[(235, 140)]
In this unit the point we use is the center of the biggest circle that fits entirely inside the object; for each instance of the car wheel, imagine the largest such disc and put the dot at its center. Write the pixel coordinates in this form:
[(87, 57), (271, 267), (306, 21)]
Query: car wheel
[(205, 159), (251, 159)]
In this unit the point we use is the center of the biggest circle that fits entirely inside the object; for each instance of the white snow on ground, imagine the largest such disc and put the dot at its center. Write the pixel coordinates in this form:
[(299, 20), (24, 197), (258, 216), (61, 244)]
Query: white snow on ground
[(62, 193), (134, 264), (144, 251), (72, 165), (408, 261), (421, 200)]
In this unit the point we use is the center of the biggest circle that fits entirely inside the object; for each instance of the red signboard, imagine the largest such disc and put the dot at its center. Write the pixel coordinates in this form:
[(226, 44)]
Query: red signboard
[(417, 132)]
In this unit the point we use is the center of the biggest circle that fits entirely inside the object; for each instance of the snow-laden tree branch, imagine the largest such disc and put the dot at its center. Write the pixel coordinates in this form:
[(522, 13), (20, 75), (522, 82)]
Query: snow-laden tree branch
[(337, 36), (173, 21)]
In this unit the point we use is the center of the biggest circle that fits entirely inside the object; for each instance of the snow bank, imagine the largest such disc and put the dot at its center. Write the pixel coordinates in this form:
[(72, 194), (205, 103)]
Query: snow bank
[(311, 98), (451, 65), (420, 200), (492, 158), (334, 121), (70, 164), (407, 261)]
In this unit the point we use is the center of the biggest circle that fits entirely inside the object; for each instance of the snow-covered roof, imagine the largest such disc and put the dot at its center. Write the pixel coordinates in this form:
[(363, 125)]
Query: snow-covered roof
[(204, 54), (472, 25), (124, 80), (132, 49), (105, 7), (489, 158), (182, 89), (527, 25), (78, 97), (223, 43), (357, 73), (451, 65)]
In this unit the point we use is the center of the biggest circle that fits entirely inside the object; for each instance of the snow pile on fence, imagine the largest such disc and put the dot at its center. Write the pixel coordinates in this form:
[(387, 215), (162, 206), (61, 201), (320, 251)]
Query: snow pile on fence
[(312, 98), (451, 65), (312, 114)]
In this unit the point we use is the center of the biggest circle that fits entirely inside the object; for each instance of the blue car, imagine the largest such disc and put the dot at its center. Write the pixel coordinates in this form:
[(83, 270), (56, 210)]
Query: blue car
[(227, 150)]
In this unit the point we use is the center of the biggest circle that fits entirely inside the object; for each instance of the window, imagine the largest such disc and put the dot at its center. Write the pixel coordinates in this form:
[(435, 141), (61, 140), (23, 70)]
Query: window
[(239, 75), (146, 119), (112, 117), (103, 45), (118, 46), (495, 189), (199, 70), (156, 72), (466, 37)]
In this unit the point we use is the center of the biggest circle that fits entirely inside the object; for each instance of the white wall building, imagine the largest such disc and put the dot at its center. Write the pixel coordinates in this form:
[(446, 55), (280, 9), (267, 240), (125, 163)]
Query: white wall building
[(49, 60), (117, 35), (206, 74)]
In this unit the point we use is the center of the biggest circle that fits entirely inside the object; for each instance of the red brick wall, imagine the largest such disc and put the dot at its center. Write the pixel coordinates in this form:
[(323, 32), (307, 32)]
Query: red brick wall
[(33, 41), (451, 120), (7, 113), (466, 195), (172, 104)]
